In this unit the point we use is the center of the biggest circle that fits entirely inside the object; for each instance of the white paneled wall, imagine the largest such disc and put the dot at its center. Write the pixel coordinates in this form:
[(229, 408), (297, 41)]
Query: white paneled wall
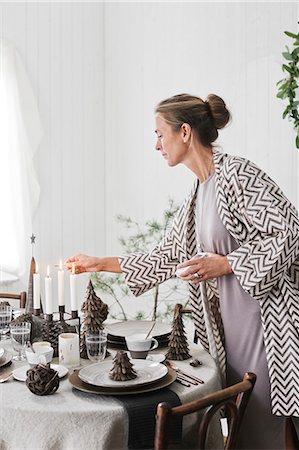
[(98, 69), (232, 49), (62, 46)]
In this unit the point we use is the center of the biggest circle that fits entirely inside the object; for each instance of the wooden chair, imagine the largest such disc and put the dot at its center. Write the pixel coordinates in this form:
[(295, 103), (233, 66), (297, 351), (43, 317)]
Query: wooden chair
[(233, 398), (21, 297)]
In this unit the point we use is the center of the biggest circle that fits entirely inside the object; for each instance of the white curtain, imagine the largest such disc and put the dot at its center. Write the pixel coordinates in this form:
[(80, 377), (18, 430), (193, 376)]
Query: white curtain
[(20, 136)]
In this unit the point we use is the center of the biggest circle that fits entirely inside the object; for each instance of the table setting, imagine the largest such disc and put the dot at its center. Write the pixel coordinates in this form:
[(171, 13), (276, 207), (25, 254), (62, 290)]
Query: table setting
[(96, 385), (123, 411)]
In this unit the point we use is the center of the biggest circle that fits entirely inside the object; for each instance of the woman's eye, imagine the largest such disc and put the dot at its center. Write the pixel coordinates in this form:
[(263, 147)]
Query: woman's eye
[(159, 136)]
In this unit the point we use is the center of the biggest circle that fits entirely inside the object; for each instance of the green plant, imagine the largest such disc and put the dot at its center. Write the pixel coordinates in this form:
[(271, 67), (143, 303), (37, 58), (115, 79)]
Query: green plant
[(288, 86), (140, 239)]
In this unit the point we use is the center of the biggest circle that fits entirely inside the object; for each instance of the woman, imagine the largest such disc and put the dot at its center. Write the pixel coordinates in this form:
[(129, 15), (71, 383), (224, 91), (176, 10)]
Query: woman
[(246, 312)]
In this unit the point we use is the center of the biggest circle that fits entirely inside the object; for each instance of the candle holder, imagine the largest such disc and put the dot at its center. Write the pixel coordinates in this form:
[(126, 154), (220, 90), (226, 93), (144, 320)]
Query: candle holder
[(73, 322), (70, 322), (61, 309), (74, 314), (36, 312)]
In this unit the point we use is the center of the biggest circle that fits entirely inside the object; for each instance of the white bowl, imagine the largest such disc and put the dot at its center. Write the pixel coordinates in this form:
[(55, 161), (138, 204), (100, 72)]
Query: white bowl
[(42, 355)]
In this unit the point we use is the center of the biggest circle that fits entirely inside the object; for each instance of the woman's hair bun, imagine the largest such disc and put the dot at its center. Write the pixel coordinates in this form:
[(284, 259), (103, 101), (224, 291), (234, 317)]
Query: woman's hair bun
[(219, 112)]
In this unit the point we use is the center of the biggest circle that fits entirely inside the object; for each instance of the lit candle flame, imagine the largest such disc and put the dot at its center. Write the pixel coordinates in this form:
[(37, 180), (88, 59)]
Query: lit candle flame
[(60, 265), (73, 269), (48, 271)]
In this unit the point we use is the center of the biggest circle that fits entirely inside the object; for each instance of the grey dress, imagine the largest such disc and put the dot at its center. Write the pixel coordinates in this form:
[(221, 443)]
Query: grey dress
[(244, 343)]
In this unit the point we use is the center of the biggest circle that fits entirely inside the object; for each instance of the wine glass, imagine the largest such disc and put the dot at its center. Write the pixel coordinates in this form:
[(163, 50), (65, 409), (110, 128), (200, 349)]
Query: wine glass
[(5, 318), (96, 344), (20, 338)]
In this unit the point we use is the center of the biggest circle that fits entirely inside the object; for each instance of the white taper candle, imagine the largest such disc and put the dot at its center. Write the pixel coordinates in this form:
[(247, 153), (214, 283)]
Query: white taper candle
[(61, 301), (48, 293), (73, 284)]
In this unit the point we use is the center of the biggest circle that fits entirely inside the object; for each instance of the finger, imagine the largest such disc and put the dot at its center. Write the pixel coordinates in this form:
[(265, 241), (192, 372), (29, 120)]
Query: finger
[(70, 260), (195, 275), (187, 275), (68, 265), (197, 278), (191, 262), (74, 264), (73, 259)]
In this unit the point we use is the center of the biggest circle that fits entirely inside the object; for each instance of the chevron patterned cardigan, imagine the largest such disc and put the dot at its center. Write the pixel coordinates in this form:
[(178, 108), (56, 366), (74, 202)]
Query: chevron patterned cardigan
[(265, 225)]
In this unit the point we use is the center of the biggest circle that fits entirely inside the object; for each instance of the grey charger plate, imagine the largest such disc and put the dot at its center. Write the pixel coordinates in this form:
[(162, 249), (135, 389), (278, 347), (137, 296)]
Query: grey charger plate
[(78, 384)]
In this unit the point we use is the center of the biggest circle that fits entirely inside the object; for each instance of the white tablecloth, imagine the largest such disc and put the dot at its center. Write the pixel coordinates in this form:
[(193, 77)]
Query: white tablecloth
[(70, 419)]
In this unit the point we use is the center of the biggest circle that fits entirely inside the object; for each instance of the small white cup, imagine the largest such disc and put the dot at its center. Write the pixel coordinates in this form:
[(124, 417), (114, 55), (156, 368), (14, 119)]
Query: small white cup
[(139, 346), (41, 355), (41, 344), (68, 347)]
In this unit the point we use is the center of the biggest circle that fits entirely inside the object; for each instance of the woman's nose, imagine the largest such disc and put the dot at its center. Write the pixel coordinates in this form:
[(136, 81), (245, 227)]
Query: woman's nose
[(158, 146)]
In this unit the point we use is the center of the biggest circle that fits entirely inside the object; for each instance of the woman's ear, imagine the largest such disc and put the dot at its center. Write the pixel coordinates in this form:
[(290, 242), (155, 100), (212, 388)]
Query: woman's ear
[(185, 132)]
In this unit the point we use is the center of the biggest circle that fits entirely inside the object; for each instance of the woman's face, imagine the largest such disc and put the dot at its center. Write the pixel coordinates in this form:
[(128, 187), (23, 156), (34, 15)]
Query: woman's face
[(170, 143)]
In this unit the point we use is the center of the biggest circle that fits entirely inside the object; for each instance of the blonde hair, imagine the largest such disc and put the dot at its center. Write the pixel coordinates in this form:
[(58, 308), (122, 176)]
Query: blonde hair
[(204, 117)]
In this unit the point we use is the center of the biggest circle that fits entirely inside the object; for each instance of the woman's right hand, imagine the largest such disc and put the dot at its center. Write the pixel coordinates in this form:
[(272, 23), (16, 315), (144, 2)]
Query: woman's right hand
[(83, 263)]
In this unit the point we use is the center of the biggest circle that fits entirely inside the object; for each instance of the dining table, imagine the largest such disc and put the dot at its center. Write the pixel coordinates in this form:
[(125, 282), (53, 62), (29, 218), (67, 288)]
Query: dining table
[(73, 419)]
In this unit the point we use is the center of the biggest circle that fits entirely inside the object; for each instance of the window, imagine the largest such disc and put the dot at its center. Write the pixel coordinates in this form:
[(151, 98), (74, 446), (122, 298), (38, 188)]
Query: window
[(20, 135)]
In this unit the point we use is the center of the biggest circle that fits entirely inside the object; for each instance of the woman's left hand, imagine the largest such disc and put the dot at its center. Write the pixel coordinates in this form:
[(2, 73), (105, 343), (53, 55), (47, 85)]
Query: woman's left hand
[(209, 266)]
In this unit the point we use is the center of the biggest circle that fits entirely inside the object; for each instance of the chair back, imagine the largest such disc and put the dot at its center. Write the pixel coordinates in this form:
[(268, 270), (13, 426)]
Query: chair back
[(234, 399), (21, 297)]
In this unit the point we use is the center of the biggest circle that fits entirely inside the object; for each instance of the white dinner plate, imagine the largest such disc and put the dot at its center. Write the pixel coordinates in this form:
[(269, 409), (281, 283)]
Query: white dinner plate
[(127, 327), (147, 372), (20, 373)]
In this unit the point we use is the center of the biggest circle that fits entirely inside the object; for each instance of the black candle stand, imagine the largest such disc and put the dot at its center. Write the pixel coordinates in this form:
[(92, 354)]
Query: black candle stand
[(52, 327), (71, 321)]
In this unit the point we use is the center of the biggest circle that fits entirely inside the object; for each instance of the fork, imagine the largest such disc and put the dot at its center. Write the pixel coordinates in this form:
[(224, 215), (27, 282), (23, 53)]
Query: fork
[(182, 381), (186, 375)]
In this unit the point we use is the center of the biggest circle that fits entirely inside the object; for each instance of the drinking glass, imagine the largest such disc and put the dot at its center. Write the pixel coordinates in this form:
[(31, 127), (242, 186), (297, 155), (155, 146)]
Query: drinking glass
[(5, 319), (20, 338), (96, 344)]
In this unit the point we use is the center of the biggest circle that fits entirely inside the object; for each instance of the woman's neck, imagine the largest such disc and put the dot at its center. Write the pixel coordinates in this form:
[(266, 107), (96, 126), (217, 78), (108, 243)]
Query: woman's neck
[(200, 162)]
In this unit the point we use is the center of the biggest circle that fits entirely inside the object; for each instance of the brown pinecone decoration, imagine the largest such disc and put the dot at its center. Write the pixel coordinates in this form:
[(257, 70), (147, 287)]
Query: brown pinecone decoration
[(25, 318), (122, 369), (95, 311), (42, 380), (4, 303), (50, 333), (178, 348)]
